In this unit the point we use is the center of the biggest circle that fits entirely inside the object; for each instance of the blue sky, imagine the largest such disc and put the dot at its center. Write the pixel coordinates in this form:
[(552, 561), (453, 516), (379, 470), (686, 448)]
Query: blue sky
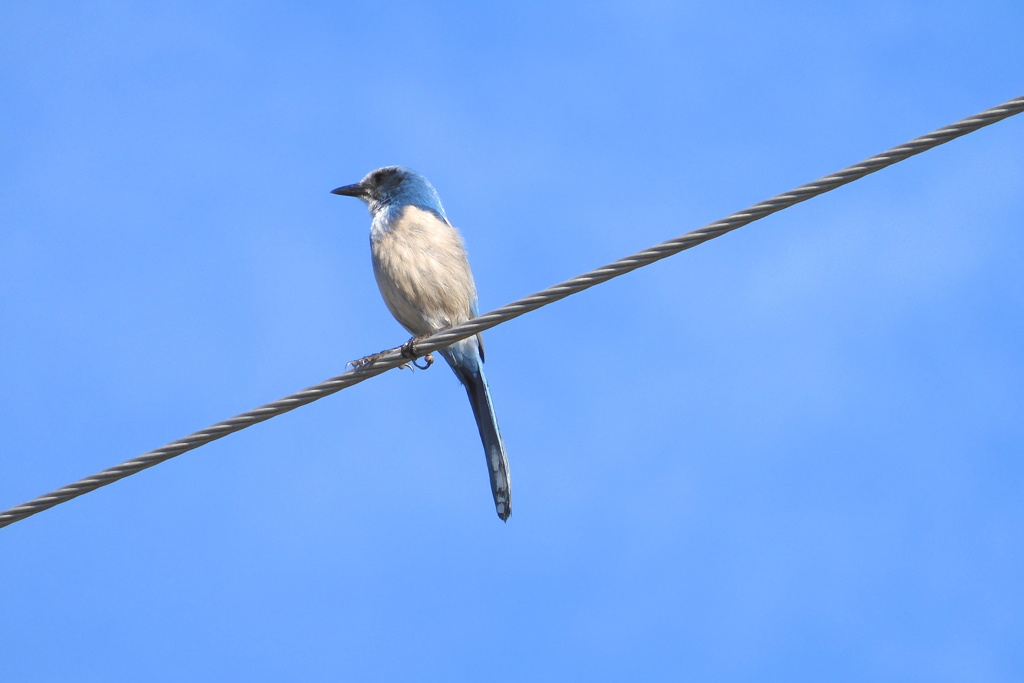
[(793, 453)]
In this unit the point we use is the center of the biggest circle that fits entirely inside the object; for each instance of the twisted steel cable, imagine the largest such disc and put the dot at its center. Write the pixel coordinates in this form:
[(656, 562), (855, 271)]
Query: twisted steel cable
[(395, 357)]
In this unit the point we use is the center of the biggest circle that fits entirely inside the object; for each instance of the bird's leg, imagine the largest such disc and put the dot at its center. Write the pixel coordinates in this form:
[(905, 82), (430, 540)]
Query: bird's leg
[(409, 351), (369, 360)]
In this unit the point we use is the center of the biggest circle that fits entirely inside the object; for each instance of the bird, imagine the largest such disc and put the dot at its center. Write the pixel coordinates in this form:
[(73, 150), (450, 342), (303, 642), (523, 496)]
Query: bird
[(422, 271)]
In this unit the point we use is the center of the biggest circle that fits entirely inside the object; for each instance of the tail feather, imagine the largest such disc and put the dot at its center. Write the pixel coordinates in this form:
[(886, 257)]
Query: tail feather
[(479, 393)]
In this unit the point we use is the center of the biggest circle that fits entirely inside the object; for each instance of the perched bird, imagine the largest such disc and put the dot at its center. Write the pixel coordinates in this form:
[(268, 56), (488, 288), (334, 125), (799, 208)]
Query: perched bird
[(423, 274)]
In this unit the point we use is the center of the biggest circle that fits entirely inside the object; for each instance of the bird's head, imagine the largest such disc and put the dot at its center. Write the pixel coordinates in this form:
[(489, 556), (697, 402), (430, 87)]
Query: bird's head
[(394, 186)]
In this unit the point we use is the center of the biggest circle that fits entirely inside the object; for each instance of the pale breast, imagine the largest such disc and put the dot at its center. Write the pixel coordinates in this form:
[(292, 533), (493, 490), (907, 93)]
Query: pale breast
[(422, 271)]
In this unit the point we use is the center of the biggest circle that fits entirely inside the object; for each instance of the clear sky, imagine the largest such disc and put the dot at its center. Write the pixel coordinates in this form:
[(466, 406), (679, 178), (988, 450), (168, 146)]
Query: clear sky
[(791, 454)]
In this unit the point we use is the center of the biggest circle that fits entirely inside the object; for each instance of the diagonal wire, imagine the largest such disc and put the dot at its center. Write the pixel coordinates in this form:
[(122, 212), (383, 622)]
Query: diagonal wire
[(394, 358)]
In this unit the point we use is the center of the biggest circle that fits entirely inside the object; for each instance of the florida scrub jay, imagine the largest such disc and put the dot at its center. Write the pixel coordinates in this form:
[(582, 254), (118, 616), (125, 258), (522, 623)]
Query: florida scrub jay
[(423, 274)]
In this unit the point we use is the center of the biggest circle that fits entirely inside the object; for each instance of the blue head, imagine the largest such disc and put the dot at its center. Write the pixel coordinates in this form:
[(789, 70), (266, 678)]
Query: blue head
[(392, 187)]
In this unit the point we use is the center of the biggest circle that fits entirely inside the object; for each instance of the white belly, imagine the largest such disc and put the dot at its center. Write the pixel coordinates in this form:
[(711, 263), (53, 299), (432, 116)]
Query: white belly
[(422, 271)]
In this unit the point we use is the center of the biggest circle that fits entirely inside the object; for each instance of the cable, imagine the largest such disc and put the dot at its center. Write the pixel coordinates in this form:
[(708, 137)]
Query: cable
[(394, 358)]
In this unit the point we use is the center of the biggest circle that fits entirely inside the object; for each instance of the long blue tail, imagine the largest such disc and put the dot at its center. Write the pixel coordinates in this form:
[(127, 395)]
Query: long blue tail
[(469, 369)]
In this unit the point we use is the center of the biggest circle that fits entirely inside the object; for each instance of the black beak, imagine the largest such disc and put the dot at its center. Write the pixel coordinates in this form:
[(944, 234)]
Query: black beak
[(356, 190)]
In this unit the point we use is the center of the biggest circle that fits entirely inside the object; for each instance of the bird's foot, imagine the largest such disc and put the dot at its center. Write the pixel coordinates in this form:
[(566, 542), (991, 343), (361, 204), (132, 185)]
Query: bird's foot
[(409, 351), (367, 360), (428, 361)]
